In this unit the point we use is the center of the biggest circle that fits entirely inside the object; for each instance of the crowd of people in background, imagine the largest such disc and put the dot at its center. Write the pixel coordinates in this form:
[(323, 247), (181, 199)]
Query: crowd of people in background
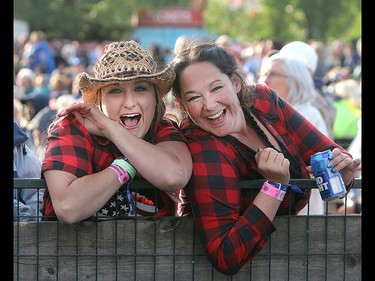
[(45, 72)]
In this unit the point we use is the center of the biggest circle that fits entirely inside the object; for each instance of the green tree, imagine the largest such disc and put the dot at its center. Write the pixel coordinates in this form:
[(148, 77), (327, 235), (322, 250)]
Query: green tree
[(285, 20), (348, 24), (242, 24)]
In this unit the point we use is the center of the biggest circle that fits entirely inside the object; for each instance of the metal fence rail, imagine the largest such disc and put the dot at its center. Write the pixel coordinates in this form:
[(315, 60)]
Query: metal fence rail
[(319, 247)]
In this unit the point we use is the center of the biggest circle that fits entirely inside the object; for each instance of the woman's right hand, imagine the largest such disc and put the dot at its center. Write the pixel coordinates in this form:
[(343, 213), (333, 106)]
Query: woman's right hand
[(272, 165), (94, 120)]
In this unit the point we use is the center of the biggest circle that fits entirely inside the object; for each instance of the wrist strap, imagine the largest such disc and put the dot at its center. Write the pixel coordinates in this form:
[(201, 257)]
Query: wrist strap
[(296, 189), (124, 170), (271, 185), (274, 189)]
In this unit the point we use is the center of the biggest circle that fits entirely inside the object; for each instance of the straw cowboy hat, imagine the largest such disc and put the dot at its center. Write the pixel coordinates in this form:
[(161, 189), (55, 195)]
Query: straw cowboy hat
[(121, 62)]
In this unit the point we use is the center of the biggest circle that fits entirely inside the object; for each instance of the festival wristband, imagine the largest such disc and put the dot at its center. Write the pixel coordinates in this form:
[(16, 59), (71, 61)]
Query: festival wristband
[(283, 188), (124, 170), (274, 189)]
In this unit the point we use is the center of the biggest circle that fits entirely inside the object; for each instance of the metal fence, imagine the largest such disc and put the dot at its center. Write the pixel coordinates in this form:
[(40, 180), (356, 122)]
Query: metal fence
[(304, 247)]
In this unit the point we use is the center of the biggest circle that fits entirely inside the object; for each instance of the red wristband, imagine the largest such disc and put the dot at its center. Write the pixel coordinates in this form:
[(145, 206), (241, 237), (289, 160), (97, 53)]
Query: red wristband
[(275, 190)]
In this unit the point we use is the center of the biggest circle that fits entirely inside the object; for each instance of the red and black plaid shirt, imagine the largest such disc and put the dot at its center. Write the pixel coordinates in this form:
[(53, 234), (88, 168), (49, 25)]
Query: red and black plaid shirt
[(71, 148), (231, 228)]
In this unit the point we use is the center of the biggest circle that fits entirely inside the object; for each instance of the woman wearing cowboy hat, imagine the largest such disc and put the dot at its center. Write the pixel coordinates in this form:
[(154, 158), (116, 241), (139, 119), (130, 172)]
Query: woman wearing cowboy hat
[(119, 130)]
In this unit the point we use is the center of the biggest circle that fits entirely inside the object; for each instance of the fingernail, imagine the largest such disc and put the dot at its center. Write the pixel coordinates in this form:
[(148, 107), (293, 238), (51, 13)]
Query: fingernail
[(329, 165), (334, 170), (355, 161), (330, 157), (259, 149)]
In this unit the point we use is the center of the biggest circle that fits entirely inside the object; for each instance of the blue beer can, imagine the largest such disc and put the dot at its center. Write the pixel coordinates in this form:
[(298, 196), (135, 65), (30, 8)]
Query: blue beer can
[(331, 186)]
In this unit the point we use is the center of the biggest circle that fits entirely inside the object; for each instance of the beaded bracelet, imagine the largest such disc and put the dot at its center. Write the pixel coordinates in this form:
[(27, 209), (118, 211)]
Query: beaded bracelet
[(124, 170)]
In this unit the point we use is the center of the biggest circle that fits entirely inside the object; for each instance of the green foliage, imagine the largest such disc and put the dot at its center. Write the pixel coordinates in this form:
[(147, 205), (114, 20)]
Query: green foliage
[(348, 24), (285, 20), (240, 24)]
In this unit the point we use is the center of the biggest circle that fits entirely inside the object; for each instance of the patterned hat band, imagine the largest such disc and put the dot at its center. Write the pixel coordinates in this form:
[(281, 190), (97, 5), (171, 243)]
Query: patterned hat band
[(124, 73)]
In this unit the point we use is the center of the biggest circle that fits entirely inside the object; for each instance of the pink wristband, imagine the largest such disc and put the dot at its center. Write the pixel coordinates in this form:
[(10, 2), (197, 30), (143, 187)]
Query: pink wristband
[(273, 191), (122, 175)]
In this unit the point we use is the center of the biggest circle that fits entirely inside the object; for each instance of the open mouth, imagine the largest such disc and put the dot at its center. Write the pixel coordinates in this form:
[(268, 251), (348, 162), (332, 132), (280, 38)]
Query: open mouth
[(218, 116), (130, 121)]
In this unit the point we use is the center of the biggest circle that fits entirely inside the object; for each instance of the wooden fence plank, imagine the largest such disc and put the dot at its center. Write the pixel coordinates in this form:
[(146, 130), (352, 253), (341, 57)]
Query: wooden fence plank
[(302, 248), (326, 247)]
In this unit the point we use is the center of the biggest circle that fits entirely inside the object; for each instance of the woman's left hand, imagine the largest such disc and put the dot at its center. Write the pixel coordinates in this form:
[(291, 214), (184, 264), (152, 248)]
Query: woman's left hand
[(342, 162)]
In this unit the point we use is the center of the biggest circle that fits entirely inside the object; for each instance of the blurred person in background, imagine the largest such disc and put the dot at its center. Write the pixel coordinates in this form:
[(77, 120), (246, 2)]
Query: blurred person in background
[(324, 101), (254, 55), (59, 85), (228, 43), (348, 132), (347, 95), (27, 202), (357, 71), (25, 81), (41, 84), (19, 118), (352, 203), (38, 54), (18, 111), (321, 67), (290, 79), (33, 103)]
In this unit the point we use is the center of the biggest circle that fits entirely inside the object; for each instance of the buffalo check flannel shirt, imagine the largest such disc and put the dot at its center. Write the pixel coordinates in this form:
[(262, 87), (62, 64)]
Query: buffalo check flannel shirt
[(231, 228), (71, 148)]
